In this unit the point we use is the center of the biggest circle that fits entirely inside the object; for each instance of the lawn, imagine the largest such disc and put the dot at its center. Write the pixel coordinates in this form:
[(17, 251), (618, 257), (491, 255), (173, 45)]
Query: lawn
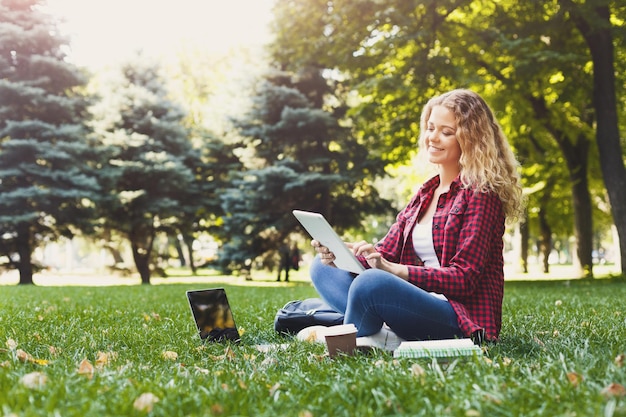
[(133, 350)]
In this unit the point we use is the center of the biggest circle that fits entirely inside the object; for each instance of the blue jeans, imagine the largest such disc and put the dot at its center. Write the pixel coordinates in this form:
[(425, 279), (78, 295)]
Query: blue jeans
[(375, 297)]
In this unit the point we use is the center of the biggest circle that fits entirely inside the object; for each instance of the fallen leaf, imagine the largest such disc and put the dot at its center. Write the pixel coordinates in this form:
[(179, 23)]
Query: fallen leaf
[(203, 371), (22, 356), (380, 362), (105, 358), (418, 373), (86, 368), (417, 370), (27, 357), (229, 353), (574, 378), (11, 344), (217, 409), (274, 389), (492, 398), (169, 355), (34, 380), (145, 402), (619, 360), (614, 390)]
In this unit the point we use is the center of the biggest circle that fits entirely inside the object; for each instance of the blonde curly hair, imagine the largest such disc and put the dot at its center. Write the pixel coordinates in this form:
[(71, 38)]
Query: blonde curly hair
[(487, 163)]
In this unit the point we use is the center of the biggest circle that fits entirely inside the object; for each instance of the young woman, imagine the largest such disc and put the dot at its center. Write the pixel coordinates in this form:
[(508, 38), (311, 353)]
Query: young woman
[(438, 273)]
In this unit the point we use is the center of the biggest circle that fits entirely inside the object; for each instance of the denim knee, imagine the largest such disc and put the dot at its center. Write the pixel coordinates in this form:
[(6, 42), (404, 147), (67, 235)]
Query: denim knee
[(369, 283), (316, 269)]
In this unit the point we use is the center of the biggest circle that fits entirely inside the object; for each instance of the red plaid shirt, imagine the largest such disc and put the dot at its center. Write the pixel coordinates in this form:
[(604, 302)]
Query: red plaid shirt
[(467, 236)]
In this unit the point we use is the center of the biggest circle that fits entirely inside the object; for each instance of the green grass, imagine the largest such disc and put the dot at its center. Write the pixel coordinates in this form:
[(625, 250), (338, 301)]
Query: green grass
[(560, 341)]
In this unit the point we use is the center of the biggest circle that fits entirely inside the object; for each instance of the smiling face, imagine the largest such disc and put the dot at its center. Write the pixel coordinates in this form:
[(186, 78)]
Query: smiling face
[(440, 139)]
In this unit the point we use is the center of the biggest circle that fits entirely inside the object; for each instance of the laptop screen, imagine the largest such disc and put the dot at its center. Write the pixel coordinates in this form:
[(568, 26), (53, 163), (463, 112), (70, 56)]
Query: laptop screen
[(212, 314)]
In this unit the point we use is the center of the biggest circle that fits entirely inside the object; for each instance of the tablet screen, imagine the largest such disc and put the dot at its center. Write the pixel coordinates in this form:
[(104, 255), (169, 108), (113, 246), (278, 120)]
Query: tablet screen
[(321, 230)]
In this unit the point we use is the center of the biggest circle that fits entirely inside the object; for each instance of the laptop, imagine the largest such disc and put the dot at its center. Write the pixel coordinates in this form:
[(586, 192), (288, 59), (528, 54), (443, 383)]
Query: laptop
[(213, 315)]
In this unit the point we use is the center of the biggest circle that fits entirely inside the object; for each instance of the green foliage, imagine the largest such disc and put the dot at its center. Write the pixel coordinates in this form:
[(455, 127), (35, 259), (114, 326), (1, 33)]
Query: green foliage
[(299, 157), (528, 59), (154, 177), (559, 354), (47, 177)]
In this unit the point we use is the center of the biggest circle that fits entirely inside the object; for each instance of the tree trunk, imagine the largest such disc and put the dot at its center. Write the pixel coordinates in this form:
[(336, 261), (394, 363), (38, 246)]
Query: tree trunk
[(192, 263), (545, 245), (575, 151), (142, 262), (115, 253), (524, 237), (141, 242), (576, 158), (595, 26), (24, 251), (179, 251)]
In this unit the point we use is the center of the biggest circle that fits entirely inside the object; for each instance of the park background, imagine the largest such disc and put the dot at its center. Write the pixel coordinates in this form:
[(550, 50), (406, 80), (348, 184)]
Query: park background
[(141, 138), (131, 132)]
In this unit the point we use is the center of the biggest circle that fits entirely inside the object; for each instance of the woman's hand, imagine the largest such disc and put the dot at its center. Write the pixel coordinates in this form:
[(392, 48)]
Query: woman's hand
[(326, 256), (367, 250), (375, 259)]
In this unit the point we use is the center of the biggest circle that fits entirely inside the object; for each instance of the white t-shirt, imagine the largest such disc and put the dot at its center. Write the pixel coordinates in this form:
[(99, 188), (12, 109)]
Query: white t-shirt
[(425, 249)]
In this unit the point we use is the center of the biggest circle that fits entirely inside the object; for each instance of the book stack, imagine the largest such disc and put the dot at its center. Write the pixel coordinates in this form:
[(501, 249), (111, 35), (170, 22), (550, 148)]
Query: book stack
[(446, 348)]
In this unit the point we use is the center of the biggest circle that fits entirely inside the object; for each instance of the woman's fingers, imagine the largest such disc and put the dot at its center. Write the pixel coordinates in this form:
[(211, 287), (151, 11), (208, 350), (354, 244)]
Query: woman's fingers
[(326, 255), (363, 248)]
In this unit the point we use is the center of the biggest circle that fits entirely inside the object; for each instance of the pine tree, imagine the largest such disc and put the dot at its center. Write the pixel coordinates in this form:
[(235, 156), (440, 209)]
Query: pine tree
[(150, 179), (301, 157), (47, 185)]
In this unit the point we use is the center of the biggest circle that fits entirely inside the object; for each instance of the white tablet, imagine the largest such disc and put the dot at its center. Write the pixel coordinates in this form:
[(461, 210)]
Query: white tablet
[(321, 230)]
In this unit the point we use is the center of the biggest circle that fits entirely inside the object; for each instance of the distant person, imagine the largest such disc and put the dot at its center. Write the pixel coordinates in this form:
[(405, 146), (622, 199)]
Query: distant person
[(295, 257), (285, 261), (438, 273)]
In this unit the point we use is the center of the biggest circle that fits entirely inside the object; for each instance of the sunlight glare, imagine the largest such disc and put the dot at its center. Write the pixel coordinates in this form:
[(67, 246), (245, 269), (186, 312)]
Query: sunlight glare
[(103, 32)]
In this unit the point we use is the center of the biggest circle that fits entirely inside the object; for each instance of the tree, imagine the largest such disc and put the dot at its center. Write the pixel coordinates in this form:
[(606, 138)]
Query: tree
[(47, 178), (594, 21), (299, 157), (198, 80), (149, 180), (212, 168), (525, 57)]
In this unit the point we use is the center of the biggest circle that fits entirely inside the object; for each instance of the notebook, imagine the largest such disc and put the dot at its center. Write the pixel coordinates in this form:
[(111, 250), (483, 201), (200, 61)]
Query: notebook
[(446, 348), (213, 315), (321, 230)]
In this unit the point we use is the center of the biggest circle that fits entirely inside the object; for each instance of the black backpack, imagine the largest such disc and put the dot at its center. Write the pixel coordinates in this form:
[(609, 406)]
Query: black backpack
[(298, 314)]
